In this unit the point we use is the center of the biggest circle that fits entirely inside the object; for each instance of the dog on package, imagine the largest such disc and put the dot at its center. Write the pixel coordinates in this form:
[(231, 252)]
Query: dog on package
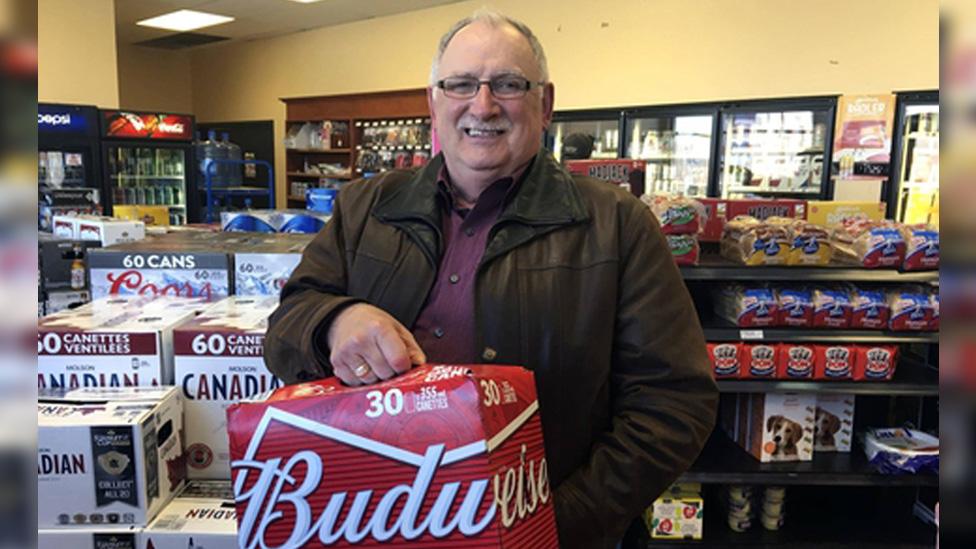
[(786, 434), (825, 429)]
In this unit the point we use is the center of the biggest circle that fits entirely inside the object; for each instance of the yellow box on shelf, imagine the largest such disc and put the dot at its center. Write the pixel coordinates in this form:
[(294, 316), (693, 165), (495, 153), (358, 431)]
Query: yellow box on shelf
[(150, 215), (676, 514), (828, 212)]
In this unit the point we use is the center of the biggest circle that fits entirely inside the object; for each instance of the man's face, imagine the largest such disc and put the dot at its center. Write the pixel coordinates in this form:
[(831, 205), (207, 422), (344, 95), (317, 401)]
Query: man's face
[(485, 136)]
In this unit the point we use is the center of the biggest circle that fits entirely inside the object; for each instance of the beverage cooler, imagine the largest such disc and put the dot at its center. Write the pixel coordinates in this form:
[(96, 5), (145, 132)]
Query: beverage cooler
[(149, 164), (775, 148), (602, 126), (68, 168), (913, 195), (676, 144)]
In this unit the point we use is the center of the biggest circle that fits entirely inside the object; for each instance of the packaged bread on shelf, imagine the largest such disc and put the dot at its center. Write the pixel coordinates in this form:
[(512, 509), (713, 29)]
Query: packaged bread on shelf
[(921, 247), (809, 242), (867, 243), (677, 214), (749, 241)]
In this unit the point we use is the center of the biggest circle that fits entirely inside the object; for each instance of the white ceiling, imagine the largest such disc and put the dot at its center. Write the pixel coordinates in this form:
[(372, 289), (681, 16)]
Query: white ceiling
[(257, 19)]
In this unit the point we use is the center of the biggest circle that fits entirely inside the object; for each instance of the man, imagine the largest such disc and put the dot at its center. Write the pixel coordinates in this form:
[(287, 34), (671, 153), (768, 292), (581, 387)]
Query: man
[(493, 253)]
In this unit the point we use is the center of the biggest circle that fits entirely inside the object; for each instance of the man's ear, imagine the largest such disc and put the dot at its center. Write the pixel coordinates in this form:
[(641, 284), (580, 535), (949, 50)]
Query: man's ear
[(430, 104), (548, 103)]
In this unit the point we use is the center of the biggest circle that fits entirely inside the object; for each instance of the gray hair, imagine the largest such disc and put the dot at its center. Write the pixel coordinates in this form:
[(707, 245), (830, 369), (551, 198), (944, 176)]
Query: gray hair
[(495, 19)]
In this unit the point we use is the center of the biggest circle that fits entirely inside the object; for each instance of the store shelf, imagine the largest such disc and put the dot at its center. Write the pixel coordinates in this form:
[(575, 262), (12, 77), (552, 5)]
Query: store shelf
[(240, 190), (392, 147), (170, 206), (296, 198), (723, 331), (771, 190), (145, 177), (724, 462), (317, 175), (713, 267), (674, 158), (319, 151), (910, 379)]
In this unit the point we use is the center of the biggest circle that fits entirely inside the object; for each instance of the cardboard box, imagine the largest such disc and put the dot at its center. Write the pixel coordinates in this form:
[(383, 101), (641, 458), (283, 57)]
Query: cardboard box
[(218, 361), (676, 515), (720, 210), (56, 301), (625, 173), (834, 425), (875, 362), (795, 360), (111, 342), (458, 443), (834, 362), (157, 216), (106, 230), (107, 455), (188, 521), (273, 221), (758, 360), (726, 359), (55, 256), (266, 264), (779, 426), (828, 212), (91, 537)]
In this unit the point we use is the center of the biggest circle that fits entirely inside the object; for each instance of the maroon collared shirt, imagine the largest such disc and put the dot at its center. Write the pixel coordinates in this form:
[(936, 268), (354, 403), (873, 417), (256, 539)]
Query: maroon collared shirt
[(445, 328)]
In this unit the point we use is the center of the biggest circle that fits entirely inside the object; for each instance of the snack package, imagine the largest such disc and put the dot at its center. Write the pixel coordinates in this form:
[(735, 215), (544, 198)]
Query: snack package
[(747, 307), (794, 307), (834, 362), (752, 242), (831, 308), (869, 308), (911, 309), (758, 360), (934, 305), (899, 451), (834, 424), (677, 214), (726, 359), (795, 360), (676, 515), (875, 362), (778, 426), (922, 247), (868, 244), (684, 248)]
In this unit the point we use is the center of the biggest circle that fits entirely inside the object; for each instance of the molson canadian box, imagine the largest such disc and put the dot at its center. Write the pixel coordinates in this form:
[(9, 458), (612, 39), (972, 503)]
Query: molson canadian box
[(193, 520), (107, 456), (219, 360), (93, 537), (443, 454), (111, 342)]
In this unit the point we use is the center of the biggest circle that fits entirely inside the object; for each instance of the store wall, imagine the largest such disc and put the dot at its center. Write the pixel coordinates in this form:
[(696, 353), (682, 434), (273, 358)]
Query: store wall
[(153, 79), (76, 52), (606, 53)]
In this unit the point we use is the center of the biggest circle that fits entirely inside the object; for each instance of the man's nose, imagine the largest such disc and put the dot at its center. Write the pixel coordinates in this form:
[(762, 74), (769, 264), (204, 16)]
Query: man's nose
[(483, 104)]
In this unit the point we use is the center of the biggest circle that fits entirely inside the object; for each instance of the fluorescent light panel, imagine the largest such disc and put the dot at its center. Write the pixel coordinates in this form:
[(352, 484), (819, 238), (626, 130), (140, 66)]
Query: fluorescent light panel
[(306, 1), (185, 20)]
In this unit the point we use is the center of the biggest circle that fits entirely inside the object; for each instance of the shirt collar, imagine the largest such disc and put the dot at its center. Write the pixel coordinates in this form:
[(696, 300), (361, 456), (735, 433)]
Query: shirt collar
[(500, 192)]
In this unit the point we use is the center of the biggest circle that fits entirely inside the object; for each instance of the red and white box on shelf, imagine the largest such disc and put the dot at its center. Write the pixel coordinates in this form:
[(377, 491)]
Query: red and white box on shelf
[(795, 360), (720, 210), (875, 362), (193, 521), (219, 360), (459, 447), (626, 173), (726, 360), (758, 360), (834, 362)]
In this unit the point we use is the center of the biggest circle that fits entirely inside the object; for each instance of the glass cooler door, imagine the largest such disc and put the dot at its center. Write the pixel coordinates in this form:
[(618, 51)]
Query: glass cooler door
[(602, 126), (149, 176), (677, 149), (917, 199)]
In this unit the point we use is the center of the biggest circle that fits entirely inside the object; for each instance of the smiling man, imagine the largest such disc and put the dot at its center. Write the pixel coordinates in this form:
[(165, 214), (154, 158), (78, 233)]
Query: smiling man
[(493, 253)]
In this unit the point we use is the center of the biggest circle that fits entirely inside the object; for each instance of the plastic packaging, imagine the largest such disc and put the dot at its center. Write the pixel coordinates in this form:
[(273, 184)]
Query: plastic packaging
[(898, 451)]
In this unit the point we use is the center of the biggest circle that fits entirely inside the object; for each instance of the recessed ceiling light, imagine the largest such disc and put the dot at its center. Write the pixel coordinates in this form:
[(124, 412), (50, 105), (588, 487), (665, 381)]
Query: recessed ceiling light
[(185, 20), (306, 1)]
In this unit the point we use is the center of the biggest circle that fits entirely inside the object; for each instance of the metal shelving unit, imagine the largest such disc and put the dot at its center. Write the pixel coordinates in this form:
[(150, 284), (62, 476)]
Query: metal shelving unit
[(726, 332), (714, 267), (910, 379)]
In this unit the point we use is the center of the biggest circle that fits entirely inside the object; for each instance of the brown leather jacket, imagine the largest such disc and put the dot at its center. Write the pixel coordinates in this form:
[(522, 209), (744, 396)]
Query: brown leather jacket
[(576, 283)]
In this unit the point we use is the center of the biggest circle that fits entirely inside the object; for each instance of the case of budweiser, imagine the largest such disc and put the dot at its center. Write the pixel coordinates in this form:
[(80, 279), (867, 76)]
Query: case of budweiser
[(265, 264), (111, 342), (218, 360), (446, 454), (193, 521), (720, 210), (107, 455), (91, 537)]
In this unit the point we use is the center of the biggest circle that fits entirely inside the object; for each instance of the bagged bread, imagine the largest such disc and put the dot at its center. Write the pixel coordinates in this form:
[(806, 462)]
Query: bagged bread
[(677, 214), (809, 243), (831, 307), (911, 309), (747, 240), (921, 247), (794, 307), (746, 307), (867, 243), (684, 248), (869, 308)]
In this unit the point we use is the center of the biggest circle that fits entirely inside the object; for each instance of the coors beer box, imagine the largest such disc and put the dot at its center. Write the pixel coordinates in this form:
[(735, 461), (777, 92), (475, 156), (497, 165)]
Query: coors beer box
[(264, 266), (107, 455), (442, 454), (193, 522), (111, 342), (219, 361)]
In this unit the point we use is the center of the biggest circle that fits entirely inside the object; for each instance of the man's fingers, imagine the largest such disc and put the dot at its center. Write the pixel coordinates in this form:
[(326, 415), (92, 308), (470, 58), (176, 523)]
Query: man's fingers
[(414, 351), (377, 361), (394, 350), (345, 374)]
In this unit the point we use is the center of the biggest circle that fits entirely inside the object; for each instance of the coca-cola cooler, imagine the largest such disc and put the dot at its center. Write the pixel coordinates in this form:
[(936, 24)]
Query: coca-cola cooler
[(149, 161), (68, 170)]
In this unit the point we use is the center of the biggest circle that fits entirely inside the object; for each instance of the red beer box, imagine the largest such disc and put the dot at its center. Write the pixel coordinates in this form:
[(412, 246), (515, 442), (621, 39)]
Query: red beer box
[(726, 359), (834, 362), (795, 360), (720, 210), (875, 362), (628, 174), (447, 454), (758, 360)]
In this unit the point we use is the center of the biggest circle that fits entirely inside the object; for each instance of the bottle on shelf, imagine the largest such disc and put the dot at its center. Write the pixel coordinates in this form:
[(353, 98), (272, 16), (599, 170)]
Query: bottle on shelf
[(77, 268)]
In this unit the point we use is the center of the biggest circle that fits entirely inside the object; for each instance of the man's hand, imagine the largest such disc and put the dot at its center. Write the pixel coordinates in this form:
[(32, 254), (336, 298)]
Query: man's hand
[(369, 345)]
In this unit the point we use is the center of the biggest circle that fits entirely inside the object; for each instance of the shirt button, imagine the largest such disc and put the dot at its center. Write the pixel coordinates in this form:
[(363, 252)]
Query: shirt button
[(469, 231), (454, 278), (438, 332), (489, 354)]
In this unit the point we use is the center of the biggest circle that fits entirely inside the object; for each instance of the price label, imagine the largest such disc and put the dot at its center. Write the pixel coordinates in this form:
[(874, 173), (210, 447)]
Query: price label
[(750, 334)]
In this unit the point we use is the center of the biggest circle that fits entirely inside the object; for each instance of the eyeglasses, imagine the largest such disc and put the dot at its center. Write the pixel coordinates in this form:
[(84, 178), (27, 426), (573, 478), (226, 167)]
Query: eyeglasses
[(502, 87)]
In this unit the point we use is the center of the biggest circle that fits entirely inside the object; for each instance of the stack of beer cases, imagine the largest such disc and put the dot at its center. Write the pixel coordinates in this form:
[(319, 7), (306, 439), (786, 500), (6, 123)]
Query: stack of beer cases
[(262, 267)]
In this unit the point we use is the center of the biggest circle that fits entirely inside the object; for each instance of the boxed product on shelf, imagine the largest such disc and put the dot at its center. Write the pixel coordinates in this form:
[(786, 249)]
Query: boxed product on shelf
[(184, 263), (106, 230), (795, 360), (831, 307), (263, 265), (750, 241), (794, 306), (219, 360), (911, 309), (869, 308), (747, 307), (103, 536), (191, 521), (273, 221), (758, 360), (471, 426), (65, 202), (107, 455), (831, 212), (111, 342), (834, 426), (623, 172), (684, 248), (720, 211), (676, 514), (869, 244), (875, 362), (725, 359), (777, 426), (56, 301), (834, 362), (898, 451), (922, 247), (157, 216), (56, 257)]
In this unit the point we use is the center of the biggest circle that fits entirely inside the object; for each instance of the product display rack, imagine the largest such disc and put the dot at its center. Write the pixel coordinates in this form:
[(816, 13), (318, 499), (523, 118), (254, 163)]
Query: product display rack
[(713, 267), (723, 331), (911, 378)]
